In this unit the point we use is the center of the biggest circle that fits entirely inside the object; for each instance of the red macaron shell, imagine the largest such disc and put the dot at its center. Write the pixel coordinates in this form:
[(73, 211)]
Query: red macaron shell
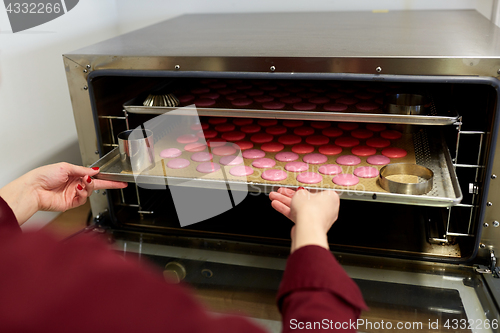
[(394, 152), (267, 122), (346, 142), (207, 134), (204, 102), (320, 124), (335, 107), (233, 136), (376, 127), (272, 147), (232, 97), (391, 134), (293, 123), (363, 151), (242, 101), (319, 100), (225, 127), (303, 148), (303, 106), (242, 121), (273, 105), (330, 150), (348, 126), (276, 130), (290, 139), (332, 132), (261, 138), (378, 143), (263, 99), (244, 145), (186, 98), (367, 106), (317, 140), (303, 131), (217, 120), (362, 133), (250, 128)]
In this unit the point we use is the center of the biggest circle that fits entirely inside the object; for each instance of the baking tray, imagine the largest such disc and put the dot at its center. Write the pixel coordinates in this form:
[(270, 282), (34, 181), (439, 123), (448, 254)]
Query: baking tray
[(432, 154), (225, 109)]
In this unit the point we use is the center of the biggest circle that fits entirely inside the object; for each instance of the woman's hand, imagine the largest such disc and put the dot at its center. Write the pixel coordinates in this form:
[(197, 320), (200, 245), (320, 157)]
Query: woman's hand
[(313, 214), (55, 187)]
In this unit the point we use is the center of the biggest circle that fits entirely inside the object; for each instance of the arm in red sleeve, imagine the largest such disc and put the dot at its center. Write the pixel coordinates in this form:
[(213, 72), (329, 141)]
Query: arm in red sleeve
[(8, 221), (82, 286), (315, 289)]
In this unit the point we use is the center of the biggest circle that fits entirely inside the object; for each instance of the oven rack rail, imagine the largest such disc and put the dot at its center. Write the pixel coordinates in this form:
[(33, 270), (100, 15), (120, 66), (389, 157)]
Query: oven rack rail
[(430, 153), (433, 118)]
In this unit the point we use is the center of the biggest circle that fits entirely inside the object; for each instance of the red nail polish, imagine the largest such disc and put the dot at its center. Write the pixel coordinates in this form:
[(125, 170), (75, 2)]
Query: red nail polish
[(95, 168), (89, 179), (79, 187), (300, 188)]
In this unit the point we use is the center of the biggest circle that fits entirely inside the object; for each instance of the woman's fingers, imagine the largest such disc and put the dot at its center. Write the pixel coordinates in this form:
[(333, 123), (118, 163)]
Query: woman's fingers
[(286, 191), (100, 184), (281, 208), (78, 171), (280, 197)]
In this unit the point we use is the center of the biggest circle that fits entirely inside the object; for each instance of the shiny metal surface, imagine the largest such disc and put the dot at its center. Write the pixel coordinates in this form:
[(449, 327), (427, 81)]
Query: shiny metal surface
[(136, 149), (446, 191), (408, 170), (399, 42), (433, 119), (408, 104)]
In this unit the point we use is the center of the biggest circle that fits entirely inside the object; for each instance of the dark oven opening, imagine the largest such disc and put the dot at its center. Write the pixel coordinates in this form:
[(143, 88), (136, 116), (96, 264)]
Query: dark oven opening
[(406, 230)]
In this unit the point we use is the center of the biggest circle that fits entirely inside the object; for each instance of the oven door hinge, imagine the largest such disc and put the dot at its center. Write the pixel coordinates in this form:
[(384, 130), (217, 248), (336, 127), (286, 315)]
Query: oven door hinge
[(492, 269)]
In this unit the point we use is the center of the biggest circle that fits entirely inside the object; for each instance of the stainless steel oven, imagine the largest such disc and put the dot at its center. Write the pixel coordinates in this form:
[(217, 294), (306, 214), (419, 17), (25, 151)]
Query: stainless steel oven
[(426, 258)]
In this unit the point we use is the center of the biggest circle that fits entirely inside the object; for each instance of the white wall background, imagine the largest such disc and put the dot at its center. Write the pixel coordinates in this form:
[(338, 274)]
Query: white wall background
[(36, 117)]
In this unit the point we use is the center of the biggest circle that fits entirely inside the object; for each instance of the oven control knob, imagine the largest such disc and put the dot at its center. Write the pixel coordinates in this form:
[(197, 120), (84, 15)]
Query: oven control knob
[(174, 271)]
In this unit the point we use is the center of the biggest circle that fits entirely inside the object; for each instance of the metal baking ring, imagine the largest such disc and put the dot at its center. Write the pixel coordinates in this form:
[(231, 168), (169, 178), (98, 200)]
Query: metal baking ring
[(406, 169), (408, 104)]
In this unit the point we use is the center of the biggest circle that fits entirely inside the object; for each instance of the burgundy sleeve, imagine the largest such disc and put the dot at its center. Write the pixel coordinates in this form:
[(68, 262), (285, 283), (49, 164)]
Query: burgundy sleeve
[(315, 290), (82, 286), (8, 221)]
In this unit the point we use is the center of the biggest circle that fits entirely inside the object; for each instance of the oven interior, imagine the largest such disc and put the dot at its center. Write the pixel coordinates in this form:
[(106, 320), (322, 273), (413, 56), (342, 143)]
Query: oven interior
[(423, 232)]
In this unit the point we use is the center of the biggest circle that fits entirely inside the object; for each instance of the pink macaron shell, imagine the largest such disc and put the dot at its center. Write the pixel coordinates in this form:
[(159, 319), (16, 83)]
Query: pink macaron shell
[(274, 175), (378, 160), (348, 160), (296, 166), (231, 160), (178, 163), (330, 169), (187, 138), (207, 167), (202, 156), (315, 158), (309, 178), (200, 126), (366, 172), (170, 153), (253, 153), (195, 146), (241, 171), (262, 163), (224, 151), (286, 156), (345, 179)]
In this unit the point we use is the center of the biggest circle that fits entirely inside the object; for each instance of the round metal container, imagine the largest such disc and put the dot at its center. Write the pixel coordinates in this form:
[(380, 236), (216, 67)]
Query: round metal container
[(136, 150), (406, 169), (409, 104)]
